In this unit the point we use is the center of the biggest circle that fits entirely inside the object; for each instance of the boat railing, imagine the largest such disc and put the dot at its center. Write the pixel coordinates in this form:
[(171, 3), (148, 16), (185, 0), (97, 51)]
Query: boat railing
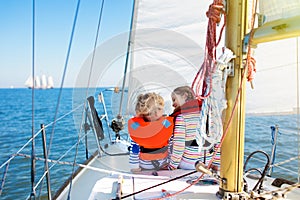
[(104, 117), (59, 160), (35, 135), (65, 159), (281, 164)]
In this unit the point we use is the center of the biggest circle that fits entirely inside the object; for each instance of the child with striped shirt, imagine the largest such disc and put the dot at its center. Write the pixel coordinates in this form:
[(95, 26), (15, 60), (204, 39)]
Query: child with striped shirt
[(185, 149)]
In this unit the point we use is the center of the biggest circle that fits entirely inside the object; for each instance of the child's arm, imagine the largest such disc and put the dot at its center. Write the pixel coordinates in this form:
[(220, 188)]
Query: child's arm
[(134, 160)]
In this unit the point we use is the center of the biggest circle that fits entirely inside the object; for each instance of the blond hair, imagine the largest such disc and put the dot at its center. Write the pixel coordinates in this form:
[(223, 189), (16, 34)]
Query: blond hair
[(148, 103), (185, 90)]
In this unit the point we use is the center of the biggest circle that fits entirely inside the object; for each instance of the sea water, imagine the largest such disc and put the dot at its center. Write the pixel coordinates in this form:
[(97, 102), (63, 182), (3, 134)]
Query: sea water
[(18, 121)]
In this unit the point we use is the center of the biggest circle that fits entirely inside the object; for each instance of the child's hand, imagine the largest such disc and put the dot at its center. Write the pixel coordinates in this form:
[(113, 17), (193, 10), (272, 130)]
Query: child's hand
[(167, 167)]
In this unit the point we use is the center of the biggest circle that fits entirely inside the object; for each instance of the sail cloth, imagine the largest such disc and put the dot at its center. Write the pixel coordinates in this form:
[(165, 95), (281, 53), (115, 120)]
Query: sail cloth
[(167, 50), (167, 47), (272, 10)]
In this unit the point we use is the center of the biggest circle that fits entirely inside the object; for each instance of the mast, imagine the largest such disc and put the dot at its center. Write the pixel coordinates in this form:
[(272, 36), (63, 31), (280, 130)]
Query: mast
[(232, 155), (130, 37), (236, 29)]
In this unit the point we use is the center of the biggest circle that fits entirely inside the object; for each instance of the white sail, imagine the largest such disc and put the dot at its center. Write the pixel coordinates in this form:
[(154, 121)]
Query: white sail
[(50, 82), (29, 82), (166, 53), (278, 9), (37, 82), (40, 83), (44, 81), (275, 82)]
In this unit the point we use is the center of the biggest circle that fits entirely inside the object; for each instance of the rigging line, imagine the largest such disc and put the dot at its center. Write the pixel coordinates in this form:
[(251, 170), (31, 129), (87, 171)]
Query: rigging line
[(4, 178), (229, 122), (91, 67), (36, 134), (173, 179), (46, 172), (287, 170), (63, 116), (208, 66), (298, 113), (230, 117), (88, 86), (111, 172), (94, 53), (219, 145), (127, 59), (63, 77), (32, 99), (279, 163), (58, 161)]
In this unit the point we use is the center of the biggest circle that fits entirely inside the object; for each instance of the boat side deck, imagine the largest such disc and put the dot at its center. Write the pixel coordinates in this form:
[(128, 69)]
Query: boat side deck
[(100, 178), (97, 181)]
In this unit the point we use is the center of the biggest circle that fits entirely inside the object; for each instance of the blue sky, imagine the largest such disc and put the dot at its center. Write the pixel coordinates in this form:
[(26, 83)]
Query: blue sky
[(54, 19), (53, 22)]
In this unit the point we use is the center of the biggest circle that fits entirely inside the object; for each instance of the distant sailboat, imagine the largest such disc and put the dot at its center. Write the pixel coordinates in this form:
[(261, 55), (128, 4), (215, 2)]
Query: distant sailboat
[(50, 84), (29, 82), (37, 82), (44, 82), (40, 83)]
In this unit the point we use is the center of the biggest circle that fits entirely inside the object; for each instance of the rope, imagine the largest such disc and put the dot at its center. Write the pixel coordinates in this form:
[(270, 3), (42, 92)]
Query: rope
[(4, 178), (208, 67), (275, 194), (232, 113), (251, 62), (167, 195)]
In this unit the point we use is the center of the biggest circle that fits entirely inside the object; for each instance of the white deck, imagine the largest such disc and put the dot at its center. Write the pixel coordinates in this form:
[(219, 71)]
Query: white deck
[(93, 184), (104, 190)]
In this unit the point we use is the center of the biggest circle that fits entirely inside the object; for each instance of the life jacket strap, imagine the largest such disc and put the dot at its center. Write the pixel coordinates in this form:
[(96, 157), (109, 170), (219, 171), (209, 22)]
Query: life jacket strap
[(153, 150), (154, 153)]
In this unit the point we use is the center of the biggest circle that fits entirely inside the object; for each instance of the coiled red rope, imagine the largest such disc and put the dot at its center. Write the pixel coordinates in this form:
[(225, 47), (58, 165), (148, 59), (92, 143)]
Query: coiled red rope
[(199, 84)]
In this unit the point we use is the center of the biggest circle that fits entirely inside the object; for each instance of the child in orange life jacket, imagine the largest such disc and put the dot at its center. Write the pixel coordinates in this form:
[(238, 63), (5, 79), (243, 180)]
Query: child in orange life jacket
[(149, 132)]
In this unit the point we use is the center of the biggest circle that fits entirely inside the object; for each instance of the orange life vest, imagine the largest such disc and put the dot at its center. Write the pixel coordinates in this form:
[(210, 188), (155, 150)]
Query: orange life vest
[(152, 137)]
